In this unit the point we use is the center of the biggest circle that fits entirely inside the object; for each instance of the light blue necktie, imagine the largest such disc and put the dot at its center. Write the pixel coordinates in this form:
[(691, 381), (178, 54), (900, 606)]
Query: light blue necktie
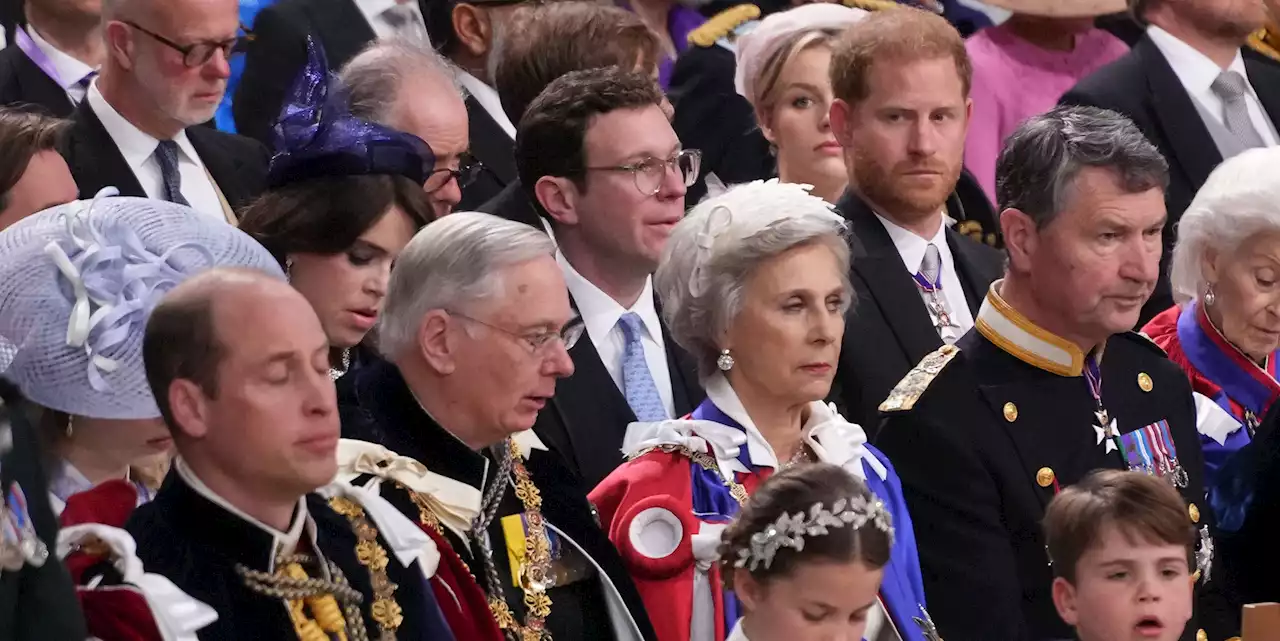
[(637, 383)]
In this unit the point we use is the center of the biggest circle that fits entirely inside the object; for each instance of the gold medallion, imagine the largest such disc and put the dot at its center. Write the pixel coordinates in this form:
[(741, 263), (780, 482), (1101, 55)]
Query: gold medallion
[(1045, 477), (1010, 412)]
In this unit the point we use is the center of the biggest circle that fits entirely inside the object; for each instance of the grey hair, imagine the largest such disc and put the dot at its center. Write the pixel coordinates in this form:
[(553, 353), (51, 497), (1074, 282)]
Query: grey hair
[(373, 78), (1038, 166), (452, 263), (1240, 199), (712, 252)]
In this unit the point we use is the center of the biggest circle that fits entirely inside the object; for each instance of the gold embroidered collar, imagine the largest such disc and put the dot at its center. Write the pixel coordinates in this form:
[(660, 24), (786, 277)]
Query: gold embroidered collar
[(1012, 332)]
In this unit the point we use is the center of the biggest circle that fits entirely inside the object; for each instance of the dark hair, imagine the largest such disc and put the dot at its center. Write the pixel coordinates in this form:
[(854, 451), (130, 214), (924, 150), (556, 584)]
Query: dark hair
[(327, 216), (549, 141), (23, 134), (893, 36), (796, 489), (1041, 159), (547, 41), (1143, 508), (181, 343)]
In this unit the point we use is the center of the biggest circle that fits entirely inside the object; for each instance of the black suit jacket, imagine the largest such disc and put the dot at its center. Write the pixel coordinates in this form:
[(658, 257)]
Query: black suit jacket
[(495, 150), (972, 470), (1142, 86), (587, 419), (513, 203), (889, 330), (24, 84), (380, 408), (238, 165), (278, 53)]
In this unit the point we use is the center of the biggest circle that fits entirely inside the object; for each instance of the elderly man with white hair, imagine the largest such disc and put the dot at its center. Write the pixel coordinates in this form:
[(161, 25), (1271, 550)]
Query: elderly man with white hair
[(476, 330), (754, 284), (1225, 330)]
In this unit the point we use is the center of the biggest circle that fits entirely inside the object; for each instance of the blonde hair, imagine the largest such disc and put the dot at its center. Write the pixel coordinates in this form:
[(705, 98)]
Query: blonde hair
[(766, 84)]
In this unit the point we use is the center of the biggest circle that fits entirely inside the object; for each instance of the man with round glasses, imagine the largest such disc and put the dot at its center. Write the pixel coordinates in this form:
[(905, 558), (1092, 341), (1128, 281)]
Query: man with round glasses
[(476, 330), (597, 155), (165, 73)]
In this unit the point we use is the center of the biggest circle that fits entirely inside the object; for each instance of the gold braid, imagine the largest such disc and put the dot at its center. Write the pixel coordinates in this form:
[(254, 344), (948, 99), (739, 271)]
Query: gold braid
[(291, 583), (1267, 40)]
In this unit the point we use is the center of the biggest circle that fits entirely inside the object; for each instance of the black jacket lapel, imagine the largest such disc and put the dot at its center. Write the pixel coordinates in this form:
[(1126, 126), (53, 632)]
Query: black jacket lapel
[(976, 265), (1193, 147), (37, 88), (490, 143), (95, 160), (1265, 78)]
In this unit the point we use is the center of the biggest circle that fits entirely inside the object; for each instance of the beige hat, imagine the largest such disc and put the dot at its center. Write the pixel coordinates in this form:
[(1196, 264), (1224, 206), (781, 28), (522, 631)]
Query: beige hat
[(1062, 8)]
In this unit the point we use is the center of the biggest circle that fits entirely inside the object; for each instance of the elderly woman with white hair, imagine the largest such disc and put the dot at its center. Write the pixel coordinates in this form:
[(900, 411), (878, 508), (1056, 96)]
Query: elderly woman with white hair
[(754, 284), (1225, 330)]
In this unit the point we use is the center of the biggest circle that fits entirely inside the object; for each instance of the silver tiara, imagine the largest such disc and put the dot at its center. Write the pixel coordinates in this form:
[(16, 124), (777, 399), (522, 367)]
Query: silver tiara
[(789, 531)]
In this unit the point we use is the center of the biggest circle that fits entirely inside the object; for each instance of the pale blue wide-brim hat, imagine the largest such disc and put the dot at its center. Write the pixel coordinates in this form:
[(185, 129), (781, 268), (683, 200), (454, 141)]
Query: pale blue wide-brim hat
[(77, 284)]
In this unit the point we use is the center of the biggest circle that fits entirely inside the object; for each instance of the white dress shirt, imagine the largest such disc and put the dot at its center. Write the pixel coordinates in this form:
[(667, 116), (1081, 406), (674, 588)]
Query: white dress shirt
[(600, 314), (70, 70), (911, 248), (488, 98), (375, 12), (139, 148), (1197, 73)]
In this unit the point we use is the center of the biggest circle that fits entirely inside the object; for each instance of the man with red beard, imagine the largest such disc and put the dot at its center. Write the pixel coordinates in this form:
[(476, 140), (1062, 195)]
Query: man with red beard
[(901, 84)]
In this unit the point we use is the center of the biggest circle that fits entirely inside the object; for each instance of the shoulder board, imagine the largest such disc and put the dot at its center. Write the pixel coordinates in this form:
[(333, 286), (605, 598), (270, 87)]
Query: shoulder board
[(722, 24), (872, 5), (1143, 339), (1266, 41), (904, 396)]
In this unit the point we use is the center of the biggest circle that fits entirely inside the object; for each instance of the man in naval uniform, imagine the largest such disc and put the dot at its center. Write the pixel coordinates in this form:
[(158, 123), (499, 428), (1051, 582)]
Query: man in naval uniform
[(239, 524), (476, 329), (1049, 385)]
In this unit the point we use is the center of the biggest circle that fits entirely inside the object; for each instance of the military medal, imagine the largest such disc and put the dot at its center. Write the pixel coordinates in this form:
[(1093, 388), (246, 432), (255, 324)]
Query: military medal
[(1251, 423), (1204, 556), (925, 623), (1105, 427), (1151, 450), (19, 544), (937, 306)]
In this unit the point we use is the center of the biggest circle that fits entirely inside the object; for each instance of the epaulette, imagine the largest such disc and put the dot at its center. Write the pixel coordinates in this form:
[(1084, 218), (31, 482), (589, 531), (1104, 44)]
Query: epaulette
[(1142, 339), (723, 24), (1266, 41), (871, 5), (904, 396)]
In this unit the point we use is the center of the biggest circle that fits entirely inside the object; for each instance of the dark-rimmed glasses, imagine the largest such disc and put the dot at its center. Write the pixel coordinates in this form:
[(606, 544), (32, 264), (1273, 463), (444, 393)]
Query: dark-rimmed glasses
[(199, 53), (538, 343), (466, 173), (650, 172)]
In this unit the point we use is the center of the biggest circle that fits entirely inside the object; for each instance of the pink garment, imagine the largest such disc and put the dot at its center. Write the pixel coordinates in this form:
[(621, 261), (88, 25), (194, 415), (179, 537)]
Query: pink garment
[(1014, 80)]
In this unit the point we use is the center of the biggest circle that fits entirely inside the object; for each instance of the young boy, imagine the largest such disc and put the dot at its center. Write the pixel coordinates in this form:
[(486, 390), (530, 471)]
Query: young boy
[(1122, 549)]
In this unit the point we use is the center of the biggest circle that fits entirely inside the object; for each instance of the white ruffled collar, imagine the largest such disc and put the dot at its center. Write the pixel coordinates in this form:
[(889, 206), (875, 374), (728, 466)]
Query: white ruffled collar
[(833, 439)]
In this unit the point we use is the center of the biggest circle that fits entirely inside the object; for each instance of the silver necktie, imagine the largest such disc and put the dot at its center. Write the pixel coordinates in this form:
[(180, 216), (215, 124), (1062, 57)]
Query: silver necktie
[(1232, 88)]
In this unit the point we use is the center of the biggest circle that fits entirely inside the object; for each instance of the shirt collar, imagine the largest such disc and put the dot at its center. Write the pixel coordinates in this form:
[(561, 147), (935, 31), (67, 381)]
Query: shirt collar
[(488, 98), (134, 144), (1014, 333), (600, 313), (1194, 69), (285, 542), (70, 70), (912, 247)]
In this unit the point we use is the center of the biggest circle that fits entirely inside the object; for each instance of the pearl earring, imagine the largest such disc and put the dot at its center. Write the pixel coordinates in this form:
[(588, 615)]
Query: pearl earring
[(288, 269), (1209, 297), (725, 361)]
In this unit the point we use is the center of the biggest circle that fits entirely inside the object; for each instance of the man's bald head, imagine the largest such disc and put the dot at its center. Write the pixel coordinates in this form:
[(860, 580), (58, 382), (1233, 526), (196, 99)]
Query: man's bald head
[(182, 341)]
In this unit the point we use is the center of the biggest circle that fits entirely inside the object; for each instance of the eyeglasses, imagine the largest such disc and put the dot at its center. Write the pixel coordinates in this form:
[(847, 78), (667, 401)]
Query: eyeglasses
[(541, 342), (650, 172), (195, 55), (466, 173)]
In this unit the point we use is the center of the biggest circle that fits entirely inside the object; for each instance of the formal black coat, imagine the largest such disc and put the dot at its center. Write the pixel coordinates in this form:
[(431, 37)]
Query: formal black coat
[(23, 84), (35, 602), (381, 409), (889, 329), (711, 116), (278, 53), (491, 145), (587, 418), (513, 204), (979, 454), (197, 544), (237, 164), (1142, 86)]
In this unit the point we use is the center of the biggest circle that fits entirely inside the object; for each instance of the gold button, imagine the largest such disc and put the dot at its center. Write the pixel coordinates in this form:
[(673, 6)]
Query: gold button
[(1201, 636), (1010, 412), (1194, 513), (1144, 382), (1045, 477), (1195, 576)]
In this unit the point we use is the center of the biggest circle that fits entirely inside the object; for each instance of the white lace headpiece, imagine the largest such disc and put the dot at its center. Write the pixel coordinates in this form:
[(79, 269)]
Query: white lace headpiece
[(791, 530)]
